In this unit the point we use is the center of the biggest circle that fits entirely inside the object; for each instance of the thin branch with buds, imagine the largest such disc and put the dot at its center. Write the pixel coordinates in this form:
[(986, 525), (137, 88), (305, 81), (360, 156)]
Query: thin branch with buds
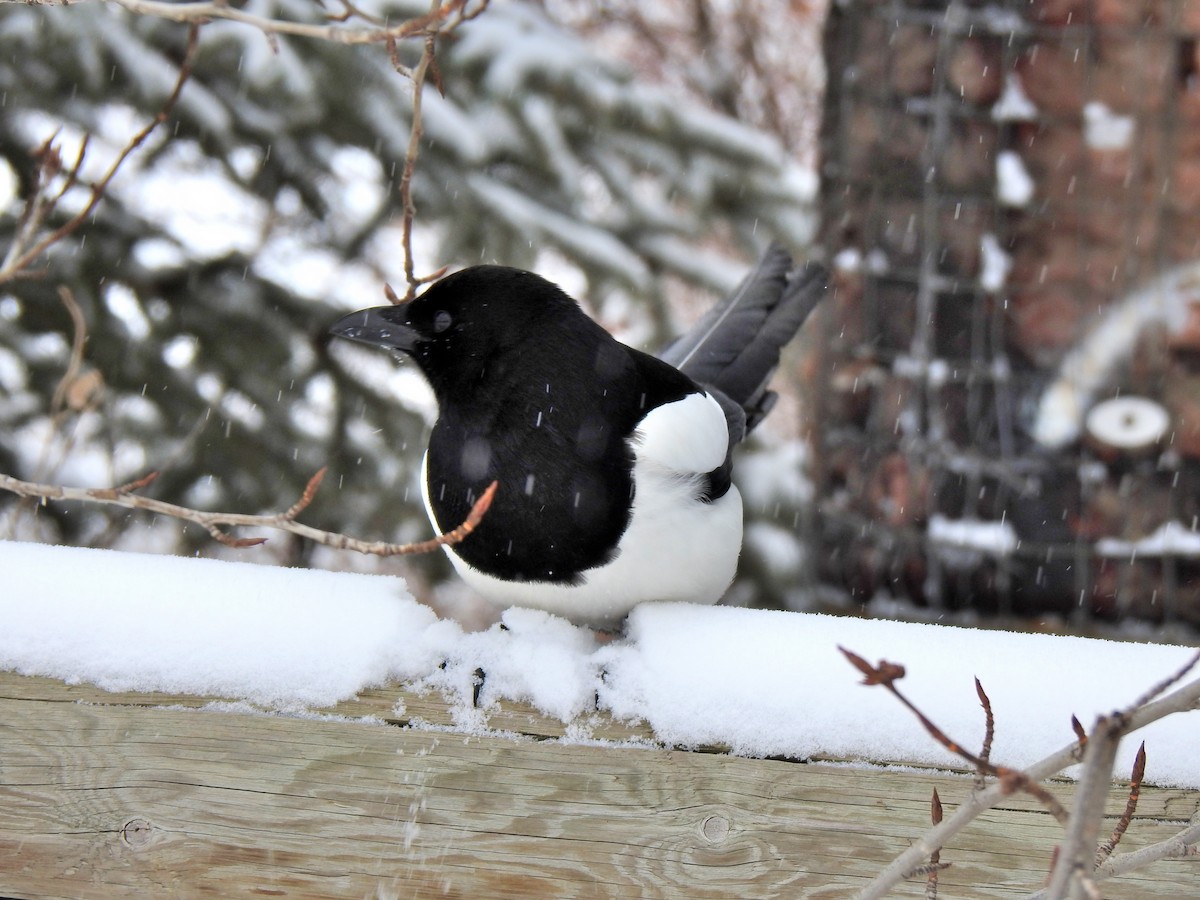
[(79, 390), (1074, 872), (935, 858), (126, 496), (442, 19), (1135, 791), (1136, 717), (887, 674), (989, 731), (1183, 845), (375, 32), (1076, 857), (419, 76), (426, 68)]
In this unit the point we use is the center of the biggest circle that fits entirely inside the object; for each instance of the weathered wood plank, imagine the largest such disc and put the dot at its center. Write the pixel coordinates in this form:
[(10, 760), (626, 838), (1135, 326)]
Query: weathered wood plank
[(110, 797), (393, 705)]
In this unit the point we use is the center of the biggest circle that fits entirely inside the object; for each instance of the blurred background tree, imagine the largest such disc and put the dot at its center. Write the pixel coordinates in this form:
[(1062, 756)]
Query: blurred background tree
[(268, 203)]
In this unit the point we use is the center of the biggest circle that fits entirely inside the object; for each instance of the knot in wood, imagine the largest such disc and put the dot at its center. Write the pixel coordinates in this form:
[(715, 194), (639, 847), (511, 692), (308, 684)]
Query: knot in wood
[(137, 833), (715, 828)]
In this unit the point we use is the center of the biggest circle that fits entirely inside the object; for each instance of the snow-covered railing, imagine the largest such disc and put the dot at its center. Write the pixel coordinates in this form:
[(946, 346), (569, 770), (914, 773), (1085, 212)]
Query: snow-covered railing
[(319, 734)]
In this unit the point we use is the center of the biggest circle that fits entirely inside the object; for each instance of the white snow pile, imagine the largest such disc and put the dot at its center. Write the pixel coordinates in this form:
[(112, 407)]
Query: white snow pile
[(763, 683), (1015, 187)]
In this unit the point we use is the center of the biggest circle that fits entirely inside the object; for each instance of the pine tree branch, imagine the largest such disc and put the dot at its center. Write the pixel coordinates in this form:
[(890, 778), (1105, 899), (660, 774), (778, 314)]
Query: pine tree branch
[(125, 496)]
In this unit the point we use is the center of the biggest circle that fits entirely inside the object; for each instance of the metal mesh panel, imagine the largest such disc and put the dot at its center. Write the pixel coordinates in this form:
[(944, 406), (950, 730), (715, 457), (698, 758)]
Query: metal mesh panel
[(1012, 204)]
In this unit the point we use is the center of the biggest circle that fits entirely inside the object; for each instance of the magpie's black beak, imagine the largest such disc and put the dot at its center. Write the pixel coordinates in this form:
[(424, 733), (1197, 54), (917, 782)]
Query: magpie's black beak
[(381, 326)]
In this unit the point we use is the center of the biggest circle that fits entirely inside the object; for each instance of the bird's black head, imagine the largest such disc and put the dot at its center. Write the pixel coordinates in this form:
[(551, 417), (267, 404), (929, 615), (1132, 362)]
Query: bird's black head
[(470, 324)]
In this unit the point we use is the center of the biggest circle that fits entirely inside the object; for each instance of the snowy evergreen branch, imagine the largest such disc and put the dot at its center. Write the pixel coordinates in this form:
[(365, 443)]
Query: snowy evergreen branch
[(26, 247)]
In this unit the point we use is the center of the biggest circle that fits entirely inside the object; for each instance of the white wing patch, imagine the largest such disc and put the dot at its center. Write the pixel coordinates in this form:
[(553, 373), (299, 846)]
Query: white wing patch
[(688, 435)]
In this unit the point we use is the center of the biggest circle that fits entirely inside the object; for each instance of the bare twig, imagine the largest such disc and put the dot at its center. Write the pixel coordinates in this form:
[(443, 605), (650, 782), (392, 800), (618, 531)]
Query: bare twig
[(1012, 780), (125, 496), (375, 33), (77, 391), (1178, 846), (1074, 872), (989, 732), (426, 68), (935, 863), (1080, 734), (22, 253), (1135, 791), (926, 869), (350, 11), (1076, 859), (419, 76), (1184, 699), (1165, 685), (442, 18), (78, 339)]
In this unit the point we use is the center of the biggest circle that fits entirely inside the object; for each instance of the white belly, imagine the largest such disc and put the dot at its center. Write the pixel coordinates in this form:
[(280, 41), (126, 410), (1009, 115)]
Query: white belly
[(675, 548)]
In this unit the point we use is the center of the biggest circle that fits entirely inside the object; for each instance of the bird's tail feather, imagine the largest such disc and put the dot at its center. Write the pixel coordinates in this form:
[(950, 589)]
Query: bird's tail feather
[(735, 346)]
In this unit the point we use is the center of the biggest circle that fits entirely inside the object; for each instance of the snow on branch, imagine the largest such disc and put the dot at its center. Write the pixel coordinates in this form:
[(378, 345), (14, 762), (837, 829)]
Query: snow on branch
[(126, 496)]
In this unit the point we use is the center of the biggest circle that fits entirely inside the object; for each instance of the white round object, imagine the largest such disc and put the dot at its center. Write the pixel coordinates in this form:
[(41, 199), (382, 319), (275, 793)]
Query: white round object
[(1128, 423)]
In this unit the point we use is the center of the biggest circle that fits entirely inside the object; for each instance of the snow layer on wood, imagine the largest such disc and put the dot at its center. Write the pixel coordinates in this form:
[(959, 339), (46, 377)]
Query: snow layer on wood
[(128, 621), (774, 683), (760, 682)]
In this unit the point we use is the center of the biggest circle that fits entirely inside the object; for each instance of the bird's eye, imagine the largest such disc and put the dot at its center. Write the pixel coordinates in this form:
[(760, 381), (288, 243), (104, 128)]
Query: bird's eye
[(442, 321)]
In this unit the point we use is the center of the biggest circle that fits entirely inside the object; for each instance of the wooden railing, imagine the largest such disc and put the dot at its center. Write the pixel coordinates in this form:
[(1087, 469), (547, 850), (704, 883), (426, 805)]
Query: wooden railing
[(154, 795)]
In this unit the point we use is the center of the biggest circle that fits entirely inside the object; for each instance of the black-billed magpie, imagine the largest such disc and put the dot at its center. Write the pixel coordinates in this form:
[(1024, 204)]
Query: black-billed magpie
[(613, 465)]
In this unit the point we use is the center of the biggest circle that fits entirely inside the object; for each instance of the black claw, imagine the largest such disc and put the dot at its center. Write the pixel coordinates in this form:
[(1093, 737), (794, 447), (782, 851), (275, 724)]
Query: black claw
[(477, 679)]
